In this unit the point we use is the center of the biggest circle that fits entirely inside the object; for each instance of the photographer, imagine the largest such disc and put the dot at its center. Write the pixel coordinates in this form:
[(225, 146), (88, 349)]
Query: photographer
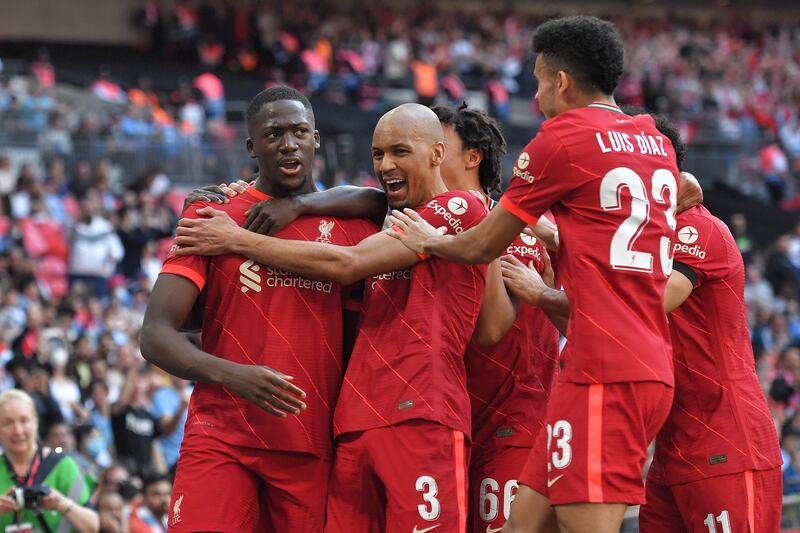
[(42, 490)]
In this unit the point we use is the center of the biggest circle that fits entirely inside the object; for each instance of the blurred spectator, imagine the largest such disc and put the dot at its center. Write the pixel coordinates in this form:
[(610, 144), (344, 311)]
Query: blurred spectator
[(8, 179), (110, 508), (213, 93), (99, 411), (150, 515), (135, 426), (42, 70), (106, 89), (95, 249), (781, 273), (170, 402), (35, 109)]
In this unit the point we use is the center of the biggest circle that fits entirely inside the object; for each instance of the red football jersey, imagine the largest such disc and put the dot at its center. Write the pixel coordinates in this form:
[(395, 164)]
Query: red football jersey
[(258, 315), (509, 383), (408, 360), (719, 423), (611, 182)]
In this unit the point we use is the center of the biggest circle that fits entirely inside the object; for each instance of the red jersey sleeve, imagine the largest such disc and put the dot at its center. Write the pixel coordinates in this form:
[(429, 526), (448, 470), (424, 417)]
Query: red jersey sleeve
[(541, 176), (700, 245), (192, 267), (455, 210)]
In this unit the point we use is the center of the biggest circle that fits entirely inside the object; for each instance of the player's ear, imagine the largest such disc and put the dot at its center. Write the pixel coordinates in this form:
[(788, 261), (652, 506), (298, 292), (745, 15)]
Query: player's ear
[(251, 151), (316, 139), (438, 153), (474, 157), (563, 81)]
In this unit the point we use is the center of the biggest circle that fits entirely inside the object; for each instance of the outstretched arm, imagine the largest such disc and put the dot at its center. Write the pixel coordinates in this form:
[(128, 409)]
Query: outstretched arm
[(479, 244), (270, 216), (163, 345), (219, 234)]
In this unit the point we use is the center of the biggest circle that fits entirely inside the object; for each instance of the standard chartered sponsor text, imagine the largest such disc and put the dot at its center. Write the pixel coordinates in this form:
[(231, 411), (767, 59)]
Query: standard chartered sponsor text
[(281, 278)]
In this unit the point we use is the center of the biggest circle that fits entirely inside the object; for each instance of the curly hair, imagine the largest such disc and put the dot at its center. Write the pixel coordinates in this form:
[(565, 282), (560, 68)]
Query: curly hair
[(275, 94), (666, 128), (588, 48), (479, 131)]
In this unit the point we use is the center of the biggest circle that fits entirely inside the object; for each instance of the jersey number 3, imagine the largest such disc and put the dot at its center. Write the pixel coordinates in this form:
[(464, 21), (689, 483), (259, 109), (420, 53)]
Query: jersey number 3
[(664, 188)]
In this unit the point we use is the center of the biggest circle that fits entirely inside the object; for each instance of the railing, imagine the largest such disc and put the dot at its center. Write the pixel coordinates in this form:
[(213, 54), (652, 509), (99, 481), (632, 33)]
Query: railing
[(191, 160)]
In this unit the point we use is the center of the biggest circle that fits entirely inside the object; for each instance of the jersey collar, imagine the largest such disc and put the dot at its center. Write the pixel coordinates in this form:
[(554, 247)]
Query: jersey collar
[(258, 195), (608, 107)]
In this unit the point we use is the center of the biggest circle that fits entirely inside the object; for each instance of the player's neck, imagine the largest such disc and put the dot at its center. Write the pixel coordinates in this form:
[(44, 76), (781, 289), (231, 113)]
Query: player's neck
[(274, 190), (435, 189), (468, 181), (585, 99)]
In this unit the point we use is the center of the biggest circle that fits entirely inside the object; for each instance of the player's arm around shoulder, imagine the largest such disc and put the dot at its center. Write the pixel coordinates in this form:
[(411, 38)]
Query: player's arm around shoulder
[(482, 240)]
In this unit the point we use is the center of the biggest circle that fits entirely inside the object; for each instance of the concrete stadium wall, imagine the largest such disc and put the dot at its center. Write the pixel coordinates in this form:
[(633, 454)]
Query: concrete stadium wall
[(95, 21)]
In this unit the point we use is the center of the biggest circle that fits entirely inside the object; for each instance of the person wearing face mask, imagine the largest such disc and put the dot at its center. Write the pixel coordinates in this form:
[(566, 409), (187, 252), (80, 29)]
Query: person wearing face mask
[(91, 453), (63, 388), (42, 490)]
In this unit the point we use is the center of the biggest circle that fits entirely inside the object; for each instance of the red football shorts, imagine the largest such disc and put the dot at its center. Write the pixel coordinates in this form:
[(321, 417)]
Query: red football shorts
[(219, 487), (493, 476), (747, 502), (408, 477), (595, 443)]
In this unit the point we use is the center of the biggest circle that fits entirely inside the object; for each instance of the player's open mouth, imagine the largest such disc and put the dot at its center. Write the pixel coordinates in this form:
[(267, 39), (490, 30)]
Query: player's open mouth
[(394, 185), (290, 166)]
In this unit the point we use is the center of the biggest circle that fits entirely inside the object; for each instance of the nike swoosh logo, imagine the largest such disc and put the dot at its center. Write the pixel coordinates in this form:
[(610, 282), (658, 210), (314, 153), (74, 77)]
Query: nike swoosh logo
[(426, 529), (490, 529), (551, 482)]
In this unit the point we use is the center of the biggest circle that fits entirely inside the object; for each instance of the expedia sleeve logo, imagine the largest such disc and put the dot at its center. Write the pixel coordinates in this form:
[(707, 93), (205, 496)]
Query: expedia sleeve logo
[(688, 236), (527, 249), (456, 206), (520, 169)]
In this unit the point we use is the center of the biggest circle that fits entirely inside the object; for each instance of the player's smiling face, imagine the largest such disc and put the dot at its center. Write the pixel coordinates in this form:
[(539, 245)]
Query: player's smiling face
[(283, 140), (404, 162)]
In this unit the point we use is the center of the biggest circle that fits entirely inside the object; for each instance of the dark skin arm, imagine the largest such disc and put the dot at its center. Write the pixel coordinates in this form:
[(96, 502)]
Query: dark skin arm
[(163, 345), (270, 216), (537, 290)]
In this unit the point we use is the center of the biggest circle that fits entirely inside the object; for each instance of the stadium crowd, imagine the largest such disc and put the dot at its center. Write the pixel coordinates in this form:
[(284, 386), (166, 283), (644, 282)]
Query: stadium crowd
[(729, 82), (81, 243)]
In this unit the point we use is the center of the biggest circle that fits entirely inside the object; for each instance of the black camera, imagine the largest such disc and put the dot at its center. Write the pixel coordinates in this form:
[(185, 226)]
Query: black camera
[(30, 497)]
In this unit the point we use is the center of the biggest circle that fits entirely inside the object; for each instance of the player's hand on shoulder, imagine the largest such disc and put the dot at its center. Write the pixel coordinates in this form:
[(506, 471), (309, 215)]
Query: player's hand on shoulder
[(412, 230), (218, 194), (523, 281), (269, 389), (210, 235), (270, 216)]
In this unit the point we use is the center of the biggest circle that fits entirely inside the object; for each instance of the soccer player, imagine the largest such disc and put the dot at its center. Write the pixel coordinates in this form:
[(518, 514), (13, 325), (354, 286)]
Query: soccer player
[(717, 465), (402, 421), (257, 450), (612, 183), (509, 382)]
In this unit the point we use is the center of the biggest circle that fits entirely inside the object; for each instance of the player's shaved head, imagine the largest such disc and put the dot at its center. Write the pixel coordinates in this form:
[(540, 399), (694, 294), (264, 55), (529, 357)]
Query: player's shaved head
[(417, 120), (407, 149)]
